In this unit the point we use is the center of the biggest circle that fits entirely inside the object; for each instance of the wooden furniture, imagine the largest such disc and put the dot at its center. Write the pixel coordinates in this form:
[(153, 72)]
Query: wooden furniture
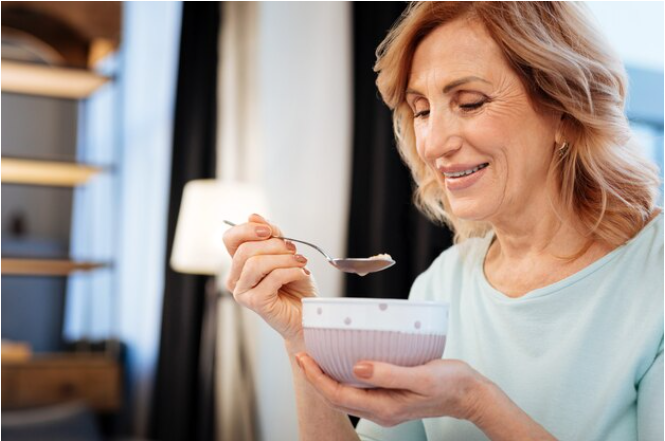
[(75, 34), (47, 380), (60, 174), (45, 267), (56, 46), (57, 82)]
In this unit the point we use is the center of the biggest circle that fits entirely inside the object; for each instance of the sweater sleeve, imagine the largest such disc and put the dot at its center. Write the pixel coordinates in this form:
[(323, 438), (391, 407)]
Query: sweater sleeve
[(411, 431), (650, 402)]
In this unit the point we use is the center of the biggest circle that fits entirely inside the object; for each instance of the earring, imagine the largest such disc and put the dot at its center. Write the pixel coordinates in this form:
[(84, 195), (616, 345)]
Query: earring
[(564, 148)]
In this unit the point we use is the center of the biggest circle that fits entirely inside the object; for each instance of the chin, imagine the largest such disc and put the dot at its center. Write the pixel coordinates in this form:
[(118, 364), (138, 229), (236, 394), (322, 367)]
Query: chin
[(471, 210)]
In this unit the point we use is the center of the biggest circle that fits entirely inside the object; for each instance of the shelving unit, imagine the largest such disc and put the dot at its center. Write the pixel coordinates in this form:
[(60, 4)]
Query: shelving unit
[(42, 379), (49, 173), (56, 82)]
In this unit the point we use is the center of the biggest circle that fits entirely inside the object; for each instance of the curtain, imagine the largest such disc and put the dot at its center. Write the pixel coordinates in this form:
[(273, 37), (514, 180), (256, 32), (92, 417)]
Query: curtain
[(383, 218), (238, 149), (183, 401)]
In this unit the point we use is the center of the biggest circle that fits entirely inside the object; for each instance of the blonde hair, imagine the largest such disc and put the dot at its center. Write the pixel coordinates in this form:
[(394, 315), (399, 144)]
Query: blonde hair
[(566, 66)]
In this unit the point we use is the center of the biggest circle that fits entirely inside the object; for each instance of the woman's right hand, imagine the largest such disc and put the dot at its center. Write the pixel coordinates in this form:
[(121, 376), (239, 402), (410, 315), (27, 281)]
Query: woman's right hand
[(268, 277)]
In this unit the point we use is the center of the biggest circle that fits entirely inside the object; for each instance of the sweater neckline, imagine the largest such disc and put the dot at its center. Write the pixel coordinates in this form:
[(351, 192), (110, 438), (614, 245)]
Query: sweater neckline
[(563, 283)]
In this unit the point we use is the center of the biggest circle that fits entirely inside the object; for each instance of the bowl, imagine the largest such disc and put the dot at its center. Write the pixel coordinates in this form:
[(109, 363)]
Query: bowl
[(339, 332)]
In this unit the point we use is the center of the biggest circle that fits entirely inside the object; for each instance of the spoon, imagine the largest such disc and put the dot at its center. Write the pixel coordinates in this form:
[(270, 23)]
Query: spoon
[(360, 266)]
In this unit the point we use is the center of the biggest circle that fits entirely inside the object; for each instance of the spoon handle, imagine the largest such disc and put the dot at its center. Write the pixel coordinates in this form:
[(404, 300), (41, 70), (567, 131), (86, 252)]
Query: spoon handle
[(307, 243), (330, 259)]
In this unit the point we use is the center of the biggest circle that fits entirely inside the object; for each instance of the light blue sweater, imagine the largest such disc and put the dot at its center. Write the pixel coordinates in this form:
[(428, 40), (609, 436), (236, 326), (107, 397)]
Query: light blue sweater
[(583, 356)]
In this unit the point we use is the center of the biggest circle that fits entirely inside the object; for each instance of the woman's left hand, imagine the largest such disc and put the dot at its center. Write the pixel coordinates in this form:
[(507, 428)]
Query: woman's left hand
[(438, 388)]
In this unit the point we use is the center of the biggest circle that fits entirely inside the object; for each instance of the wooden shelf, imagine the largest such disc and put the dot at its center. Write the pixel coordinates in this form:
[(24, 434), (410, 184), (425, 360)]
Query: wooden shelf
[(56, 82), (45, 267), (59, 174)]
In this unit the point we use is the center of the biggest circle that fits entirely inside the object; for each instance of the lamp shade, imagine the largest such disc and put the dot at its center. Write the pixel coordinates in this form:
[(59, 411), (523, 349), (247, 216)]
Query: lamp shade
[(198, 247)]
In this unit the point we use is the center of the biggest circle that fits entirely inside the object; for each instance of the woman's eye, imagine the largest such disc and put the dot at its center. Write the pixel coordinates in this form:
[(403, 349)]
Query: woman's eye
[(421, 114), (472, 106)]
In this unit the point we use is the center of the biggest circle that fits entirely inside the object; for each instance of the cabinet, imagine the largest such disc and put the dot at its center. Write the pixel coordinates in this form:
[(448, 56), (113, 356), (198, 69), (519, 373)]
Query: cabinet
[(49, 378), (59, 378)]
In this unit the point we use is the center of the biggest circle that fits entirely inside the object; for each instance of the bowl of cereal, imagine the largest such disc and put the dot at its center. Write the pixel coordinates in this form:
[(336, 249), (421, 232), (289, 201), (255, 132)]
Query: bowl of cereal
[(339, 332)]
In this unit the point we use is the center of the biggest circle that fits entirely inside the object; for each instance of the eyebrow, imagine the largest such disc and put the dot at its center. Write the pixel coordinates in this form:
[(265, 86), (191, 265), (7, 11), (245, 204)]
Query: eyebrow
[(454, 84)]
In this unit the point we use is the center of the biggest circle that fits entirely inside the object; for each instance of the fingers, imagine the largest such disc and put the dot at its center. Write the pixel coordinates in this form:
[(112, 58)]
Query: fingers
[(248, 250), (382, 406), (276, 231), (236, 236), (257, 267), (390, 376), (249, 239), (338, 395), (257, 228), (262, 297)]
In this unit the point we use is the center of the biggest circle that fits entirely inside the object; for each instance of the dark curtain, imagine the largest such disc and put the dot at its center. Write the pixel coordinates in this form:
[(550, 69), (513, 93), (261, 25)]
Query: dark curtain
[(383, 218), (183, 404)]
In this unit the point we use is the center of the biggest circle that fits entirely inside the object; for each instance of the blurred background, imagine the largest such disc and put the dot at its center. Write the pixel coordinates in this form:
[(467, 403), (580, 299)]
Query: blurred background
[(130, 130)]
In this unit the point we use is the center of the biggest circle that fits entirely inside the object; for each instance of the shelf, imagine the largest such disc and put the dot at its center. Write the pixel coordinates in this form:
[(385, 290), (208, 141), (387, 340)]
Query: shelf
[(60, 174), (45, 267), (56, 82)]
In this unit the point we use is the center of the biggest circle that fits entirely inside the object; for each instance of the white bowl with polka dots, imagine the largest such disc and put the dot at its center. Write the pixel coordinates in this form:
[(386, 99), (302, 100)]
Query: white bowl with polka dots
[(339, 332)]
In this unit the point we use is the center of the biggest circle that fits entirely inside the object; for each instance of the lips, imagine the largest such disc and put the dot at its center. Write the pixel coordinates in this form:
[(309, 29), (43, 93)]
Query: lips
[(461, 170), (465, 172), (462, 176)]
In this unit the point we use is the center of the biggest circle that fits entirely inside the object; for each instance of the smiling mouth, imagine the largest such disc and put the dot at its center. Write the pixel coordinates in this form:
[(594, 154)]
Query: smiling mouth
[(463, 173)]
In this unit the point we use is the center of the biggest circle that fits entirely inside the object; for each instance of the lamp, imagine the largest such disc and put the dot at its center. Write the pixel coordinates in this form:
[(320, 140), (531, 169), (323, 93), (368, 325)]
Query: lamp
[(198, 247)]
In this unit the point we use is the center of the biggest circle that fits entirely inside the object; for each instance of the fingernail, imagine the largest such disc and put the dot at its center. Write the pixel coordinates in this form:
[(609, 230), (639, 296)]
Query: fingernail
[(298, 361), (263, 231), (290, 246), (300, 258), (363, 370), (306, 271)]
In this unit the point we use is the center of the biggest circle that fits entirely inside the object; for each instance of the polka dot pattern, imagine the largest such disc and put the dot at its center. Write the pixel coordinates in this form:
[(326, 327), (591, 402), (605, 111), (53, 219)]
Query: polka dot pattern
[(375, 315)]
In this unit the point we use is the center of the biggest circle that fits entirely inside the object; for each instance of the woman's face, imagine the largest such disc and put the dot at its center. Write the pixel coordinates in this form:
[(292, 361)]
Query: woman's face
[(475, 126)]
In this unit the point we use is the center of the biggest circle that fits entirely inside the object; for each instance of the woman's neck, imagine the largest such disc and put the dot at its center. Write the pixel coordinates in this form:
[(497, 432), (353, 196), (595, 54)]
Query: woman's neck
[(538, 233), (536, 249)]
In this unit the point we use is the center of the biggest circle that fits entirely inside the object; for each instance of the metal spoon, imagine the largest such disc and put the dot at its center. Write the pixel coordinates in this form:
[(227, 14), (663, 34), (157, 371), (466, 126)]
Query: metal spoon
[(360, 266)]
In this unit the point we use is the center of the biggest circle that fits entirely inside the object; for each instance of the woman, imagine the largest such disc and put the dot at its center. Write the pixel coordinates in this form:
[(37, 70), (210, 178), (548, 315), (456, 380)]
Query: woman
[(510, 116)]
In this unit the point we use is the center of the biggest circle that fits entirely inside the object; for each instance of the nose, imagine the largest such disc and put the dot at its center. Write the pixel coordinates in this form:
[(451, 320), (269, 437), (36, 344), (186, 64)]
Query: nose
[(443, 137)]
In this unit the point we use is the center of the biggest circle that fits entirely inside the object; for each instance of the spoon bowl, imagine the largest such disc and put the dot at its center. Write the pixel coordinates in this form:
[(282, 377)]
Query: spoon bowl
[(360, 266)]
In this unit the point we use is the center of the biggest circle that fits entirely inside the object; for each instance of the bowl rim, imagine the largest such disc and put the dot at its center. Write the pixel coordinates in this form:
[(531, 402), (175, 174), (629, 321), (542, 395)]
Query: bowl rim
[(368, 300)]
